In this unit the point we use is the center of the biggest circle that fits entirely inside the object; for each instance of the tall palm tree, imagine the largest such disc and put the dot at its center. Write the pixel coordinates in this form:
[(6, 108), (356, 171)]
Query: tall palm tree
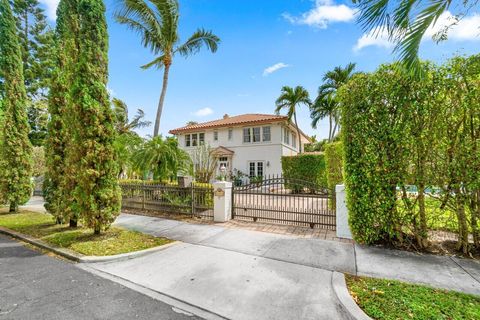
[(122, 123), (407, 22), (325, 104), (156, 21), (289, 100)]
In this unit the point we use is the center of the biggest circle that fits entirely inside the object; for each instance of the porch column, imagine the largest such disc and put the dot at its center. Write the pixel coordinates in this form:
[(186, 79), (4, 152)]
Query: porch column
[(343, 229), (222, 201)]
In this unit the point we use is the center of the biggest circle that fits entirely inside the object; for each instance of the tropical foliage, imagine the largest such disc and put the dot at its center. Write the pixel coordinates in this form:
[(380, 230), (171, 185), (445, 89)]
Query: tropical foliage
[(290, 99), (156, 21), (399, 132), (16, 149), (406, 23), (326, 104), (163, 158)]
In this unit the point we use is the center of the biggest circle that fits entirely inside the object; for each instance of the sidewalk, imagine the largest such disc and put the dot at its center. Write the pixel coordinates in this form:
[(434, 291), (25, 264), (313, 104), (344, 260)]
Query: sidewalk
[(438, 271)]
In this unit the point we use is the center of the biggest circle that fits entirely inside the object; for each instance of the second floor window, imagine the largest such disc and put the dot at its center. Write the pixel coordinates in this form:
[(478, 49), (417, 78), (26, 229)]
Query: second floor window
[(215, 135), (294, 140), (256, 134), (266, 134), (194, 139), (286, 136), (230, 134), (246, 135)]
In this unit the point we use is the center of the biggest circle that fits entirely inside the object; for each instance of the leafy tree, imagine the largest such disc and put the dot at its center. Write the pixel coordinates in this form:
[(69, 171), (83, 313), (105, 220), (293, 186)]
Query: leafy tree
[(16, 150), (204, 162), (326, 104), (289, 100), (163, 158), (127, 142), (123, 124), (36, 40), (156, 21), (37, 43), (91, 158), (38, 121), (58, 185), (406, 22)]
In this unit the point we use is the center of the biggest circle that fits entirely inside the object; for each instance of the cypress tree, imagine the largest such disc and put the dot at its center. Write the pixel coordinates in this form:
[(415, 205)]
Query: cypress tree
[(58, 186), (16, 151), (92, 155)]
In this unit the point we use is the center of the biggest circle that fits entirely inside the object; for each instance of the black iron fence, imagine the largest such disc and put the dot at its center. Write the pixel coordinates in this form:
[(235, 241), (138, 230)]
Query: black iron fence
[(285, 201), (193, 200)]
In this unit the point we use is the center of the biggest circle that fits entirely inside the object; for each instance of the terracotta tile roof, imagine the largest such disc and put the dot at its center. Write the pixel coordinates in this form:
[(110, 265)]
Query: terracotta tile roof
[(227, 121)]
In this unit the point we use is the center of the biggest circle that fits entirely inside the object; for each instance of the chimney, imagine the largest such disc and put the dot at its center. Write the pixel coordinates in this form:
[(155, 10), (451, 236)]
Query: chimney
[(225, 116)]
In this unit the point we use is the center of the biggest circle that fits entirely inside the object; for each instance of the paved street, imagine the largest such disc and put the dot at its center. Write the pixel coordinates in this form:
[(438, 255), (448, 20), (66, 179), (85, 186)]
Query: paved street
[(36, 286)]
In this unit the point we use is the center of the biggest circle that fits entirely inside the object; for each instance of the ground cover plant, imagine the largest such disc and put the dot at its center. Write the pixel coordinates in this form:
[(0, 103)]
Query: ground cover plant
[(395, 300), (113, 241)]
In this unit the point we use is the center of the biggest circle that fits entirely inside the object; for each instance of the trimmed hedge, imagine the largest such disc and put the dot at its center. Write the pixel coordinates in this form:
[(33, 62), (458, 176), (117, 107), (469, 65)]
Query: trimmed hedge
[(307, 167), (334, 166)]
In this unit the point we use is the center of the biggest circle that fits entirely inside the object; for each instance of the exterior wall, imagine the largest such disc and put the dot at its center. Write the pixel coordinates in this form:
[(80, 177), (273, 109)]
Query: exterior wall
[(269, 152)]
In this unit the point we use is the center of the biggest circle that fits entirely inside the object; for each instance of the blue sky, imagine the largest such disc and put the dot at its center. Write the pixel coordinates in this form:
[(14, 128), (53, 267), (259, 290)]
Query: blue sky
[(265, 45)]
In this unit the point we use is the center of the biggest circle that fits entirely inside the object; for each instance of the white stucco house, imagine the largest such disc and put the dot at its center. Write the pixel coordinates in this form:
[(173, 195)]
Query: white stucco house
[(250, 143)]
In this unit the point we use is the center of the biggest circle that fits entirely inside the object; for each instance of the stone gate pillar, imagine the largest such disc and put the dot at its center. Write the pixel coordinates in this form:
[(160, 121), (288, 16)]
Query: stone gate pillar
[(343, 228), (222, 201)]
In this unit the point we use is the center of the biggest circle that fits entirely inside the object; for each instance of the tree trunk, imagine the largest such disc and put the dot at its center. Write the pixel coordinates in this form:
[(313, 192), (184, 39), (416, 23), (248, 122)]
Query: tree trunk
[(298, 133), (13, 207), (162, 99), (73, 223), (462, 221), (96, 230), (330, 128), (334, 128)]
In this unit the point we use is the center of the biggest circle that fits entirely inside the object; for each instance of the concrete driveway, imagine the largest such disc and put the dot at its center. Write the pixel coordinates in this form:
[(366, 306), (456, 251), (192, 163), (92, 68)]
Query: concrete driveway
[(231, 284)]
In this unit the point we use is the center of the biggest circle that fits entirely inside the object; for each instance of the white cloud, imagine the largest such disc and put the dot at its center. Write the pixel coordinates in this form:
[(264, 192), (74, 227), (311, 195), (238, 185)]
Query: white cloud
[(322, 14), (375, 37), (467, 29), (203, 112), (51, 8), (275, 67)]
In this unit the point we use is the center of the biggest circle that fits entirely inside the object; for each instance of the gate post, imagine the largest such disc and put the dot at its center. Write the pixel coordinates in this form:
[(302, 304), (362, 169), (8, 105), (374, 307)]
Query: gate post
[(222, 201), (343, 228)]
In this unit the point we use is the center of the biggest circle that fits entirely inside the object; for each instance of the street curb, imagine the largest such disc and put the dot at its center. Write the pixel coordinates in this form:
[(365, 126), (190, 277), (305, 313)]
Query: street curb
[(77, 257), (347, 305)]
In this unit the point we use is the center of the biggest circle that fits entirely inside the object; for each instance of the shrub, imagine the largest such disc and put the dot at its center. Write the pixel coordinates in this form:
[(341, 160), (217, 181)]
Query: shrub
[(334, 166), (306, 167)]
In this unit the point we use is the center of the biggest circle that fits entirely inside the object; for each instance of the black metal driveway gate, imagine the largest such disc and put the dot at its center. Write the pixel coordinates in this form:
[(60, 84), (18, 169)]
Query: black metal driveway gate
[(284, 201)]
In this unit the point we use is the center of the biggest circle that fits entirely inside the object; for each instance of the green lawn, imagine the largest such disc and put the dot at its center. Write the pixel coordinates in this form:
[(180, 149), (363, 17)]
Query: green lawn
[(394, 300), (82, 240)]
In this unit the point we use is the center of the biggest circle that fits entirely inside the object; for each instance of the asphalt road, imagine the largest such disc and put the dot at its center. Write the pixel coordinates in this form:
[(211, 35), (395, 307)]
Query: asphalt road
[(36, 286)]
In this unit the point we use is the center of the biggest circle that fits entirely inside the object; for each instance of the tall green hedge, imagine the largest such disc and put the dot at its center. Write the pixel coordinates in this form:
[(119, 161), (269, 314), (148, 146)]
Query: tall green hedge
[(334, 165), (373, 124), (307, 167), (16, 150)]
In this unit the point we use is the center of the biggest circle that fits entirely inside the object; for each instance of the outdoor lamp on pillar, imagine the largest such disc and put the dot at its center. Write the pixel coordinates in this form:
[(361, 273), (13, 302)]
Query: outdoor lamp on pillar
[(223, 172)]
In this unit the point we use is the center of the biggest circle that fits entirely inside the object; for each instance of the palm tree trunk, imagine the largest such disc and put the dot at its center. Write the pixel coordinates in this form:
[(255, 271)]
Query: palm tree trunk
[(334, 128), (298, 133), (330, 128), (162, 99)]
